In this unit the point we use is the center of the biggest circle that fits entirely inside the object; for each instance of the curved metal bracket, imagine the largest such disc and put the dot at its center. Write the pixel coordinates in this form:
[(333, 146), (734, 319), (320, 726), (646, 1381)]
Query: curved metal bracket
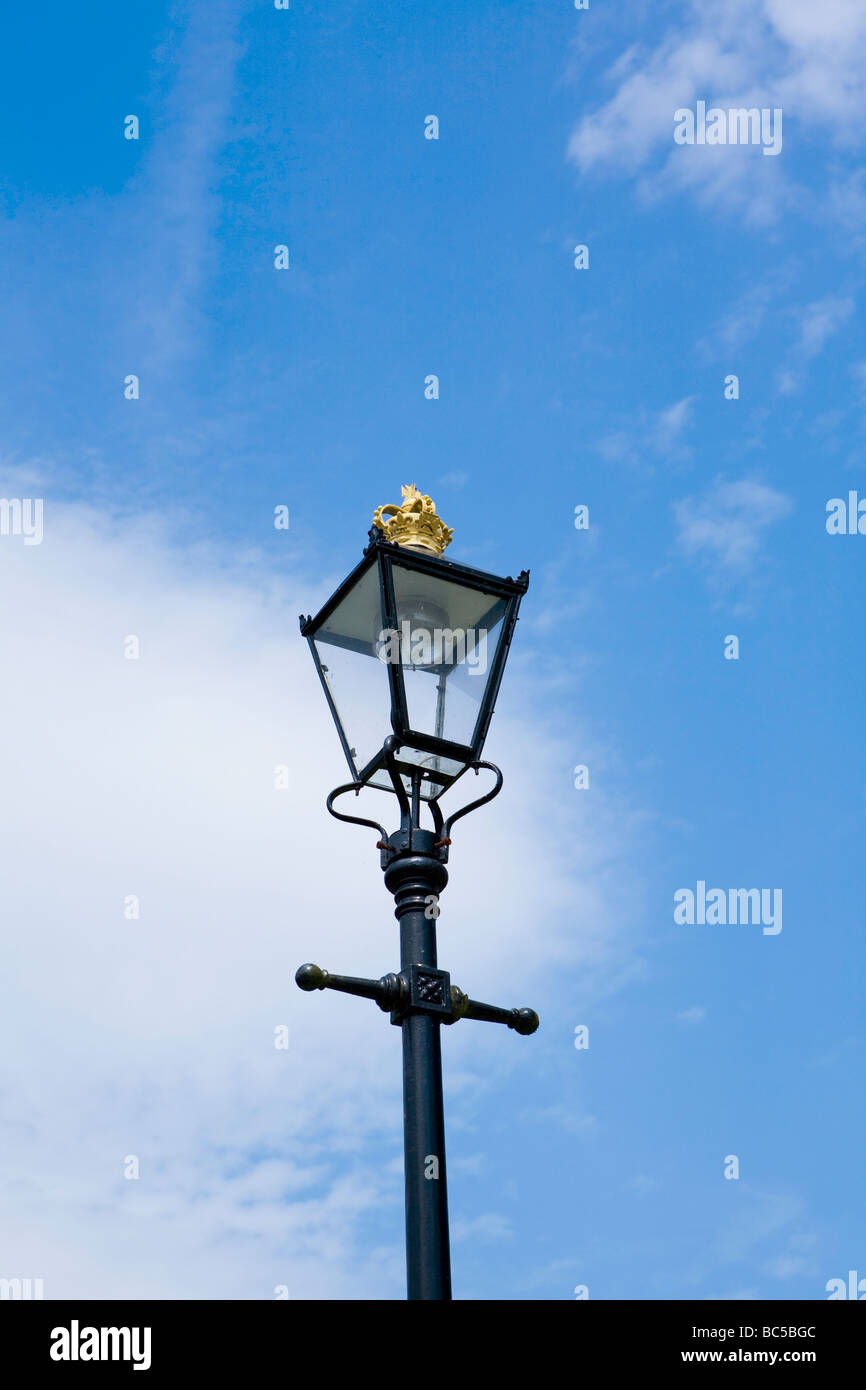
[(390, 746), (437, 819), (473, 805), (442, 827), (353, 820)]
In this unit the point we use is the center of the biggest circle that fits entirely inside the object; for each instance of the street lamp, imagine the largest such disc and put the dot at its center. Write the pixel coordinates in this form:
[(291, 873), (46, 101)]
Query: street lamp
[(410, 652)]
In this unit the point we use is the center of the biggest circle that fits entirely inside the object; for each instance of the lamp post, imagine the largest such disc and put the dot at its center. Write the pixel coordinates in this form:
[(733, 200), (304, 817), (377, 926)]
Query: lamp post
[(410, 652)]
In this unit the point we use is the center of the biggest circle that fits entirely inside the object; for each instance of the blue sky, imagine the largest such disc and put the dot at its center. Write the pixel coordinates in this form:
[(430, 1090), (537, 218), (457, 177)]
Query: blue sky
[(305, 387)]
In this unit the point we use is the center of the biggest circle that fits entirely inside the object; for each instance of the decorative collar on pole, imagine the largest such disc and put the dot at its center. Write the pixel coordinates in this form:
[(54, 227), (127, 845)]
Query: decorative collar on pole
[(414, 523)]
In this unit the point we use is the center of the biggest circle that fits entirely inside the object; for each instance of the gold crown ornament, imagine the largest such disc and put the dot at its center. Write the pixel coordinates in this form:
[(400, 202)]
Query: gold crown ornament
[(414, 523)]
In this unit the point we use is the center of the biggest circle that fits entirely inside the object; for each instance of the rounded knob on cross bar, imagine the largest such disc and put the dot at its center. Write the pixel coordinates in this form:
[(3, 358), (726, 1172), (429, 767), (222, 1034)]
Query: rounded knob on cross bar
[(311, 977), (525, 1021)]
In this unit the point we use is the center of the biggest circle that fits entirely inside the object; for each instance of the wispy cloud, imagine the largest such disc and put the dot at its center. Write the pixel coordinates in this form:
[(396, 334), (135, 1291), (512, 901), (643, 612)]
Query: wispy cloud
[(747, 316), (456, 480), (671, 425), (176, 196), (489, 1226), (656, 436), (725, 527), (761, 1216), (696, 1014), (818, 322)]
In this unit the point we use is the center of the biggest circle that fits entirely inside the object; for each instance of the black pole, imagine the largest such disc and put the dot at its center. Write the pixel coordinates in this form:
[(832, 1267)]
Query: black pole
[(416, 878), (419, 999)]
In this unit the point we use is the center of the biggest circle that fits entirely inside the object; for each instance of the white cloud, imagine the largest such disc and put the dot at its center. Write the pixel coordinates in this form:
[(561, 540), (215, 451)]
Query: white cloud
[(627, 131), (154, 1037), (833, 23), (807, 59)]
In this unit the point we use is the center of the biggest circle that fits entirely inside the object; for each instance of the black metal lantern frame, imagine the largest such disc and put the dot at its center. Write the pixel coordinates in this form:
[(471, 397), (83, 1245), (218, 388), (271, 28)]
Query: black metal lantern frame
[(490, 601)]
